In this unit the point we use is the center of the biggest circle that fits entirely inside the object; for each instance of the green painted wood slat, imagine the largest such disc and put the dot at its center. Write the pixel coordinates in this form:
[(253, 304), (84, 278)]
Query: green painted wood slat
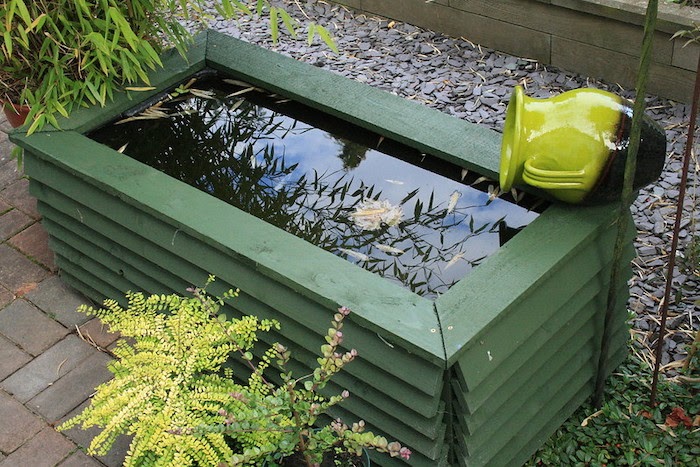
[(539, 346), (81, 265), (176, 239), (127, 260)]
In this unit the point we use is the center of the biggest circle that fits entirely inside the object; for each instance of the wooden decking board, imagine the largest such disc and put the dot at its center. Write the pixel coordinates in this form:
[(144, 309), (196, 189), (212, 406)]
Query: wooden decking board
[(491, 346)]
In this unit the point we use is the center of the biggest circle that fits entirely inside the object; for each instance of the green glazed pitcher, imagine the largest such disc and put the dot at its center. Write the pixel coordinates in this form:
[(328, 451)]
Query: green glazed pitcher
[(574, 145)]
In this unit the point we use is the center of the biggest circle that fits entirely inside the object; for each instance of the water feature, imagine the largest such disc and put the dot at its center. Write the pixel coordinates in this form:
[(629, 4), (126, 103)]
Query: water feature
[(385, 206)]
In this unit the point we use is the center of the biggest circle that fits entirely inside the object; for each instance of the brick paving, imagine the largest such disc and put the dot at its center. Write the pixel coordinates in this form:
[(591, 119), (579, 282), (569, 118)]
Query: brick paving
[(51, 357)]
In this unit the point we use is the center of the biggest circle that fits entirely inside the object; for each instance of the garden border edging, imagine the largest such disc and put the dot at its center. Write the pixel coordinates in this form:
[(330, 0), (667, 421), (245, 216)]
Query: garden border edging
[(597, 38)]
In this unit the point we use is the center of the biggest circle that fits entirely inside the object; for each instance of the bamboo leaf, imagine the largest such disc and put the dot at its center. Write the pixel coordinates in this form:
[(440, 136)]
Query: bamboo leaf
[(38, 122), (36, 24), (139, 88), (125, 28), (61, 109), (417, 209), (326, 37), (289, 22), (274, 32), (10, 13), (23, 39), (312, 33), (8, 43), (24, 12), (152, 55), (242, 7), (409, 196), (94, 92)]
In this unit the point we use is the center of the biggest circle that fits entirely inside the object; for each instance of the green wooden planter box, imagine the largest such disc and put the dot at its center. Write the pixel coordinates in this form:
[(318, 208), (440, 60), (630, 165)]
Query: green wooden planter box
[(481, 376)]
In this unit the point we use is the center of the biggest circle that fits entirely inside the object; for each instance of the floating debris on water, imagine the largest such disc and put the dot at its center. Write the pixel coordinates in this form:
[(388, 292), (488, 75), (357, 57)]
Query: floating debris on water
[(370, 214), (355, 254), (517, 196), (236, 105), (203, 94), (454, 197), (238, 82), (389, 249), (454, 260), (140, 88), (243, 91)]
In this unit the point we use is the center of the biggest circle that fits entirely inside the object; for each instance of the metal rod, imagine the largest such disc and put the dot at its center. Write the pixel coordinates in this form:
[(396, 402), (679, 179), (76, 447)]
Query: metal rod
[(674, 239)]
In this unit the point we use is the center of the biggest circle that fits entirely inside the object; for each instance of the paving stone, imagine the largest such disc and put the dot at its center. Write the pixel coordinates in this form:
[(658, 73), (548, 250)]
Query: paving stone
[(16, 271), (79, 459), (18, 424), (46, 449), (4, 207), (5, 297), (59, 301), (115, 456), (12, 222), (26, 325), (98, 332), (73, 388), (8, 170), (12, 358), (34, 242), (17, 194), (47, 368)]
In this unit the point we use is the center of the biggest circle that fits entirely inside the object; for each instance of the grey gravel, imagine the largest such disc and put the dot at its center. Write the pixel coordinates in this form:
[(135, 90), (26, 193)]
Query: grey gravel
[(474, 83)]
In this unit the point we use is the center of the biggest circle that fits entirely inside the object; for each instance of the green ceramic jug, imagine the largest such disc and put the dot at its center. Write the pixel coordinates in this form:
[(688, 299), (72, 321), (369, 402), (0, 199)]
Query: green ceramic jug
[(574, 145)]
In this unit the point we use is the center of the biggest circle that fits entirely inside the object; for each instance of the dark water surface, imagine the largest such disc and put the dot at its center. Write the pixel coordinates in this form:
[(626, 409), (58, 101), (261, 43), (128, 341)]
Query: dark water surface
[(375, 202)]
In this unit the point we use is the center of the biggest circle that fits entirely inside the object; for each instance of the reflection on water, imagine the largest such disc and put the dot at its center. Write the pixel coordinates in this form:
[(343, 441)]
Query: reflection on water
[(349, 191)]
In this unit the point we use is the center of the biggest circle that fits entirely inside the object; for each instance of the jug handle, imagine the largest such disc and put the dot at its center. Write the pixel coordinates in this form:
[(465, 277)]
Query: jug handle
[(552, 179)]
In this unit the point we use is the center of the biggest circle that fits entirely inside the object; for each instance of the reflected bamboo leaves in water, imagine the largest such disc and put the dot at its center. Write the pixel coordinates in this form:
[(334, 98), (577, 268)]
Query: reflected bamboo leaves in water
[(234, 142)]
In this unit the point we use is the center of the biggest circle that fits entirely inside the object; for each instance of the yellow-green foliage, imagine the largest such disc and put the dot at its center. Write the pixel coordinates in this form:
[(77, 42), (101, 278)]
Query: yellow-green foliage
[(169, 381)]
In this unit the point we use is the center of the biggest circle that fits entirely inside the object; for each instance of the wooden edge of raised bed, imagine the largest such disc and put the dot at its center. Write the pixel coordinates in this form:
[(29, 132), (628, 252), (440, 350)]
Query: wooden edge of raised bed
[(408, 122), (523, 263), (380, 305), (428, 130)]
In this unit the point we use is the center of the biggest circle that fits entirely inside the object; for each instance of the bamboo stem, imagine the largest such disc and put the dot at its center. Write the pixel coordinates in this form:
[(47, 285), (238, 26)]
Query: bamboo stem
[(627, 198)]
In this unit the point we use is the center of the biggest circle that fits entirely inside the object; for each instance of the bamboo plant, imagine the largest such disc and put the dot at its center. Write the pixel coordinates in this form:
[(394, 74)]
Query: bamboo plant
[(60, 54)]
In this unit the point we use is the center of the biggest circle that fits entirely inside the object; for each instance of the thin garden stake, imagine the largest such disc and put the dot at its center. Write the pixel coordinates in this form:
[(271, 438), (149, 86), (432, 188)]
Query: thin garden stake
[(674, 240), (626, 199)]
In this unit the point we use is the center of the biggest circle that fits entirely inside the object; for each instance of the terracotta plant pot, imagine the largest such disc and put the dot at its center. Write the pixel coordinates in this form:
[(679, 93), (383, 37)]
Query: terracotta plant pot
[(16, 114), (574, 145)]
